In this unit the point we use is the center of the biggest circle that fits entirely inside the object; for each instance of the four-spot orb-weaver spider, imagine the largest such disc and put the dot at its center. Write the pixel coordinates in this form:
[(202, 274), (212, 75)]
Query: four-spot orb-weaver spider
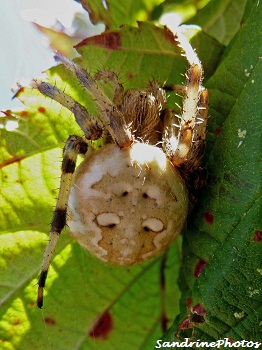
[(128, 201)]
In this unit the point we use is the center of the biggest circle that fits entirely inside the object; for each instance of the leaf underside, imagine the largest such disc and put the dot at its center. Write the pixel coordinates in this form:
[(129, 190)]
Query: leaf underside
[(221, 236)]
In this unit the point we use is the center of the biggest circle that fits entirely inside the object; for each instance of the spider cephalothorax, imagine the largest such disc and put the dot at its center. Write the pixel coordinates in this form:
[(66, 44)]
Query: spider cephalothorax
[(127, 201)]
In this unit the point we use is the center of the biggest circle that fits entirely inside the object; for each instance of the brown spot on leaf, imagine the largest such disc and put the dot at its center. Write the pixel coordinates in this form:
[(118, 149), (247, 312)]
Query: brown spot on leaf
[(102, 326), (200, 266), (209, 217), (24, 113), (50, 321), (110, 40), (16, 322), (258, 236), (41, 109), (169, 35), (218, 131), (130, 75)]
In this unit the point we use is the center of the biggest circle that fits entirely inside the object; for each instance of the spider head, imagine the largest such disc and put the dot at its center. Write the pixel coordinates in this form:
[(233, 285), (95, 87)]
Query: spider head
[(126, 205)]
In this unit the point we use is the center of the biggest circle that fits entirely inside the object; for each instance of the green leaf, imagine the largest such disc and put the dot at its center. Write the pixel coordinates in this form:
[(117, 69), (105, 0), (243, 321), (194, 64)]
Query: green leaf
[(221, 19), (223, 238), (115, 13)]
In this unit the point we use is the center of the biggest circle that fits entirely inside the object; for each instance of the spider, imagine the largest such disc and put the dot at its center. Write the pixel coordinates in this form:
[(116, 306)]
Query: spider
[(128, 200)]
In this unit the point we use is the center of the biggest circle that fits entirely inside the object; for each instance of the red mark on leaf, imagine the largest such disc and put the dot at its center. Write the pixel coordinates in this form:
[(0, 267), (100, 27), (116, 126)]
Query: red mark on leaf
[(230, 340), (109, 40), (50, 321), (7, 112), (209, 217), (218, 131), (258, 236), (11, 161), (199, 310), (188, 302), (185, 323), (102, 326), (195, 316), (200, 266), (130, 75), (24, 113), (41, 109)]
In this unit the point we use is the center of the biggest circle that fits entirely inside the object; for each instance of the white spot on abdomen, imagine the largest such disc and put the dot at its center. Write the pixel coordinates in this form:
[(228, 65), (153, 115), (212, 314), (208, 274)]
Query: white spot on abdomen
[(108, 219)]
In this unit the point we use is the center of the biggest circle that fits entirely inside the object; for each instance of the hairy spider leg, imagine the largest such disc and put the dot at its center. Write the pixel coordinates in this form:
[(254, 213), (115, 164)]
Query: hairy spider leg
[(119, 91), (172, 127), (199, 134), (188, 117), (179, 149), (73, 146), (87, 123), (176, 88), (111, 117)]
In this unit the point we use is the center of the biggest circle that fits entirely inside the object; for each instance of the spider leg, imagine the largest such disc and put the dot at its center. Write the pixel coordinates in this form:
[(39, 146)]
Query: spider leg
[(106, 76), (111, 117), (86, 122), (188, 118), (180, 147), (73, 146), (199, 133), (176, 88)]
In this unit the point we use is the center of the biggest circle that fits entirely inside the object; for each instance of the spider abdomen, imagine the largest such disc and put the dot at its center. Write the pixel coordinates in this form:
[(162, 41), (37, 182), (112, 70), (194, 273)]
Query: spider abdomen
[(126, 205)]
